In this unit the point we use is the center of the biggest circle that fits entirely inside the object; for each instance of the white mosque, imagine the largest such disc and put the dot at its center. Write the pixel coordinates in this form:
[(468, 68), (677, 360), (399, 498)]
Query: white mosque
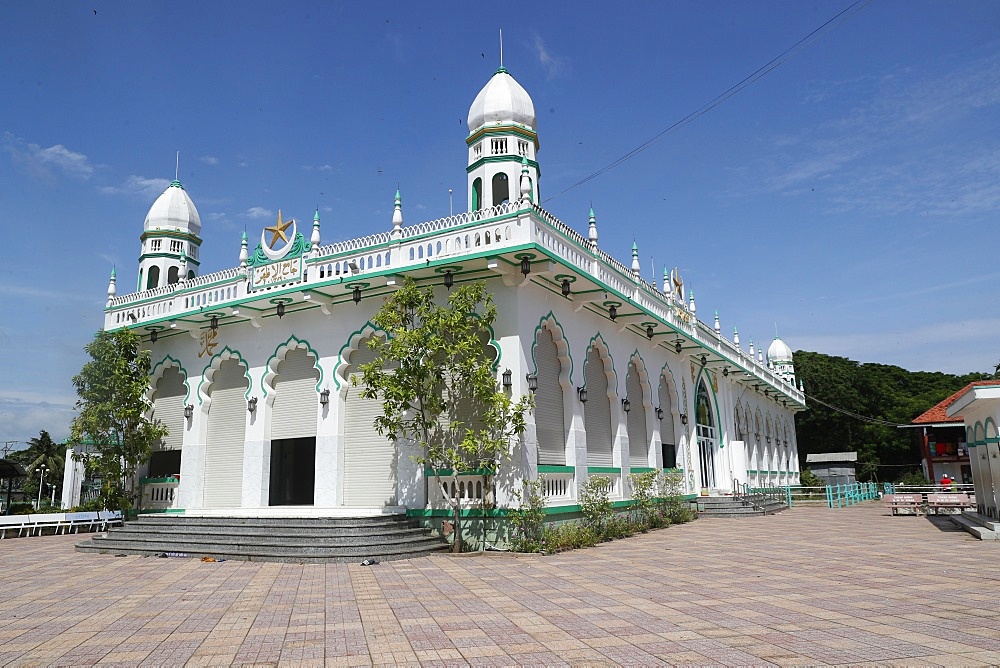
[(252, 364)]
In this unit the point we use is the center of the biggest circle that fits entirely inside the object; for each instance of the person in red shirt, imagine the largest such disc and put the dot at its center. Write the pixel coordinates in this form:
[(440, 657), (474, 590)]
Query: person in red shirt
[(945, 481)]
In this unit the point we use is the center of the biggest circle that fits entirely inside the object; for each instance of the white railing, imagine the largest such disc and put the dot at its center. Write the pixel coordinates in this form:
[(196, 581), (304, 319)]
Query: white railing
[(612, 484), (468, 489), (558, 487), (159, 493)]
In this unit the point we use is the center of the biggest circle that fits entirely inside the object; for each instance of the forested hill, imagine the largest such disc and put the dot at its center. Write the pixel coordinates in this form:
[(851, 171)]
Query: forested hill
[(888, 394)]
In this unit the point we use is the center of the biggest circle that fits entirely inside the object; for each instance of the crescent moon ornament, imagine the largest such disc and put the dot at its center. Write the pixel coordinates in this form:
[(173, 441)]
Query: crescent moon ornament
[(278, 233)]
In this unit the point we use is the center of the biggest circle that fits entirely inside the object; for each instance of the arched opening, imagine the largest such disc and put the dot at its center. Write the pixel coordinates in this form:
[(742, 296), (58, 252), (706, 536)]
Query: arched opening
[(501, 189), (668, 441), (226, 437), (707, 436), (477, 194), (293, 430), (168, 409), (635, 419), (597, 411), (549, 412), (172, 275), (190, 274), (153, 279)]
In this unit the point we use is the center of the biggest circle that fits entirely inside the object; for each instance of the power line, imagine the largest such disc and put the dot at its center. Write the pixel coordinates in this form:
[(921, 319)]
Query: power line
[(856, 416), (763, 71)]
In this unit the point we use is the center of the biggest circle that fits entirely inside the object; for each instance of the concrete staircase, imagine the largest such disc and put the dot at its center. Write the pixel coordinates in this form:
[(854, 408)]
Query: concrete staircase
[(281, 539), (728, 506), (980, 526)]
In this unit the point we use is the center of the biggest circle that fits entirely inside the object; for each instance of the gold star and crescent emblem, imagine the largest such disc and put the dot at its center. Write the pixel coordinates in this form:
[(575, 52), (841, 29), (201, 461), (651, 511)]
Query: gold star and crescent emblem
[(278, 230)]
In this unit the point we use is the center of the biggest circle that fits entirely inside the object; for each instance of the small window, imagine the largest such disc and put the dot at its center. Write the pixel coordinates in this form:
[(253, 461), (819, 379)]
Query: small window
[(153, 280), (172, 275), (501, 189)]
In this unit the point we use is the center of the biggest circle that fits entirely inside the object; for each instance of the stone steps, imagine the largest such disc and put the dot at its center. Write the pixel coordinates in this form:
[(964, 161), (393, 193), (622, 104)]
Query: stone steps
[(292, 540), (728, 506), (980, 526)]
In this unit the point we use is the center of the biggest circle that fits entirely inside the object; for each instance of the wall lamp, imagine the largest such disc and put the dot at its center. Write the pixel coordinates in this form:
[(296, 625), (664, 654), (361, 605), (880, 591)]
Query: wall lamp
[(678, 347), (565, 287), (649, 332), (508, 379), (213, 324), (449, 279), (153, 336), (188, 411), (356, 295), (582, 393), (626, 405), (324, 397), (281, 310), (612, 312), (704, 359), (725, 371), (684, 418), (525, 265), (252, 405), (532, 381), (659, 413)]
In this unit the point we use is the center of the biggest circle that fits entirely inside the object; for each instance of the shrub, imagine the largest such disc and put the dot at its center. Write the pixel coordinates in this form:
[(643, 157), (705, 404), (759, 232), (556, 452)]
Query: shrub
[(643, 487), (595, 504), (810, 479), (527, 520)]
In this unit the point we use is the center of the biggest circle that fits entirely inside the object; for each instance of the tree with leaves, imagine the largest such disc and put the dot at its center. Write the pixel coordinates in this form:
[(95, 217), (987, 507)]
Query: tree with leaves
[(114, 414), (436, 379), (42, 450)]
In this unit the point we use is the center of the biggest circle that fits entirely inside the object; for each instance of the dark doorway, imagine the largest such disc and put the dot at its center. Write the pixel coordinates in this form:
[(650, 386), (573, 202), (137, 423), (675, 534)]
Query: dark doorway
[(165, 463), (293, 472), (669, 452)]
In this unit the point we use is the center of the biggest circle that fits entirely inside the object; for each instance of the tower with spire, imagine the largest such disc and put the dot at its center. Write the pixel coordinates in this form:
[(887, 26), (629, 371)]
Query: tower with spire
[(170, 240), (502, 143)]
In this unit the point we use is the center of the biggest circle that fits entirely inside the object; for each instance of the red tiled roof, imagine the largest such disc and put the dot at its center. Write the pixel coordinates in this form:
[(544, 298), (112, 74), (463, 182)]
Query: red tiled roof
[(939, 413)]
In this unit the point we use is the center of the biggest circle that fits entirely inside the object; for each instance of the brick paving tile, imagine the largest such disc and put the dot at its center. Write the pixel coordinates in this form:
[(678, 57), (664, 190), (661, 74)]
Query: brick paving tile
[(813, 586)]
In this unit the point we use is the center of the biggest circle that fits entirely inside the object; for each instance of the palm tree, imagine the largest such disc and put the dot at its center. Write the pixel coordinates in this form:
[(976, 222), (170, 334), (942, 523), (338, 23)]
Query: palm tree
[(43, 450)]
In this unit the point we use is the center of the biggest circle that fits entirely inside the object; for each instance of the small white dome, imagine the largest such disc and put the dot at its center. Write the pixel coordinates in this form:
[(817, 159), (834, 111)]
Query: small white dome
[(502, 100), (779, 353), (173, 210)]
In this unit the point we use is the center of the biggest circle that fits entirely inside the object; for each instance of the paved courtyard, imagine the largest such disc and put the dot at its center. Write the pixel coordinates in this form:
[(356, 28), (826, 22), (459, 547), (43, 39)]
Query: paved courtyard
[(811, 586)]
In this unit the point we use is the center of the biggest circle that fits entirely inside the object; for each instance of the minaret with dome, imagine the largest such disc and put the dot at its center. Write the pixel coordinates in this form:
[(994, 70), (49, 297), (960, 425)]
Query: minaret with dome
[(779, 355), (503, 143), (170, 240)]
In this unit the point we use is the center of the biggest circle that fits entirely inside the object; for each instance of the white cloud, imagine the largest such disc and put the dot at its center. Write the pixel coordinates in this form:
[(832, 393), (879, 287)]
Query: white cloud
[(553, 65), (258, 212), (325, 168), (209, 159), (47, 162), (23, 418), (139, 186)]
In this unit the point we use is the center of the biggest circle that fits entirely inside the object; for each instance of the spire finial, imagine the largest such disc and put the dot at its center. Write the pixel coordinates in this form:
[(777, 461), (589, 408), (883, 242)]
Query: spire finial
[(501, 47), (177, 167)]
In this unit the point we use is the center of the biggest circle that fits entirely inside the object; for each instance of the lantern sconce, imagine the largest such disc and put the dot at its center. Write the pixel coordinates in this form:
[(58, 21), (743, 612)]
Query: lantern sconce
[(153, 336), (612, 312), (725, 371), (532, 381), (188, 411), (565, 287), (324, 397), (281, 310), (213, 324), (626, 405), (704, 359), (252, 405), (508, 379), (649, 332), (525, 265), (449, 279), (678, 347), (582, 393), (684, 418), (356, 295), (659, 413)]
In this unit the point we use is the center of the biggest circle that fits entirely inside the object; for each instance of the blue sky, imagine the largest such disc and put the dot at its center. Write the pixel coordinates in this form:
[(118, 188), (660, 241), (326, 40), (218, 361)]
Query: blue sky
[(850, 198)]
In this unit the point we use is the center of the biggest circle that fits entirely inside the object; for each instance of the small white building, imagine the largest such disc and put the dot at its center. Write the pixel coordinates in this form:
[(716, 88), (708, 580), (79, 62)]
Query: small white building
[(252, 364), (979, 404)]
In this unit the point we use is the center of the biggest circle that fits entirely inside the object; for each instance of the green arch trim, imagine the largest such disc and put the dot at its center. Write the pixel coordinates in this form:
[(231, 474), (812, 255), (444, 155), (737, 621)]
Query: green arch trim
[(702, 378), (551, 318), (979, 433), (299, 343), (607, 354), (223, 355), (356, 335), (155, 374), (993, 438)]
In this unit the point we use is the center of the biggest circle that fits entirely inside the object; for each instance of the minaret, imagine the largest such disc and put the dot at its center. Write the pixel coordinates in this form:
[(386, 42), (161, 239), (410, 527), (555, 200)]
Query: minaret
[(243, 250), (397, 217), (315, 238), (636, 273), (112, 290), (592, 231), (170, 239), (502, 141)]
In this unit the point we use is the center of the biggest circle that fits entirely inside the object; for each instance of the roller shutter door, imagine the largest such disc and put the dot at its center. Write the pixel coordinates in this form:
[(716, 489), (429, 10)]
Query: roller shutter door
[(293, 414), (667, 423), (550, 422), (369, 459), (597, 413), (226, 435), (168, 408), (638, 441)]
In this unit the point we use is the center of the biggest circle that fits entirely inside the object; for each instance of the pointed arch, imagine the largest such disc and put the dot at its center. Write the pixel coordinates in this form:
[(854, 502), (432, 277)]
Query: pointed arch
[(601, 384), (227, 353), (552, 368), (550, 322), (157, 373), (637, 419), (280, 352), (366, 331)]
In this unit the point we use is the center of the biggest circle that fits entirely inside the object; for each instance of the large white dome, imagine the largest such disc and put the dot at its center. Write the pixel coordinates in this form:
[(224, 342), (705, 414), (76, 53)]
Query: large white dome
[(779, 353), (173, 210), (502, 100)]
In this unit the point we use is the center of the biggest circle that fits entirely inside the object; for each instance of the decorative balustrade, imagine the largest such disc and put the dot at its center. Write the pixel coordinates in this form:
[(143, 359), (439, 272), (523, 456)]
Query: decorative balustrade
[(159, 493), (469, 489), (612, 483), (557, 487)]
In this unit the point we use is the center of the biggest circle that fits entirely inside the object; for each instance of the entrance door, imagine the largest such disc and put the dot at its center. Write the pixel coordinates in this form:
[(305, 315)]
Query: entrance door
[(369, 458), (707, 437), (226, 434), (293, 471)]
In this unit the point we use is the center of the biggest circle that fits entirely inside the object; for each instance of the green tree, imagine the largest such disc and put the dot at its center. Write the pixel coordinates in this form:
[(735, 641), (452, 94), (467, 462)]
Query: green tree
[(114, 413), (43, 451), (437, 383)]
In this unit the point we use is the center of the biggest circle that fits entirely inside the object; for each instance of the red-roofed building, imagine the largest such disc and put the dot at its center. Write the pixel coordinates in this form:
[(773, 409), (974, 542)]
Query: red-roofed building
[(941, 439)]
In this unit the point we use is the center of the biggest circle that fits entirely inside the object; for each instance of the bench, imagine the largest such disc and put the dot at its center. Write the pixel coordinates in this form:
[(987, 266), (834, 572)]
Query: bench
[(11, 522), (43, 521), (912, 502), (107, 518), (948, 501)]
